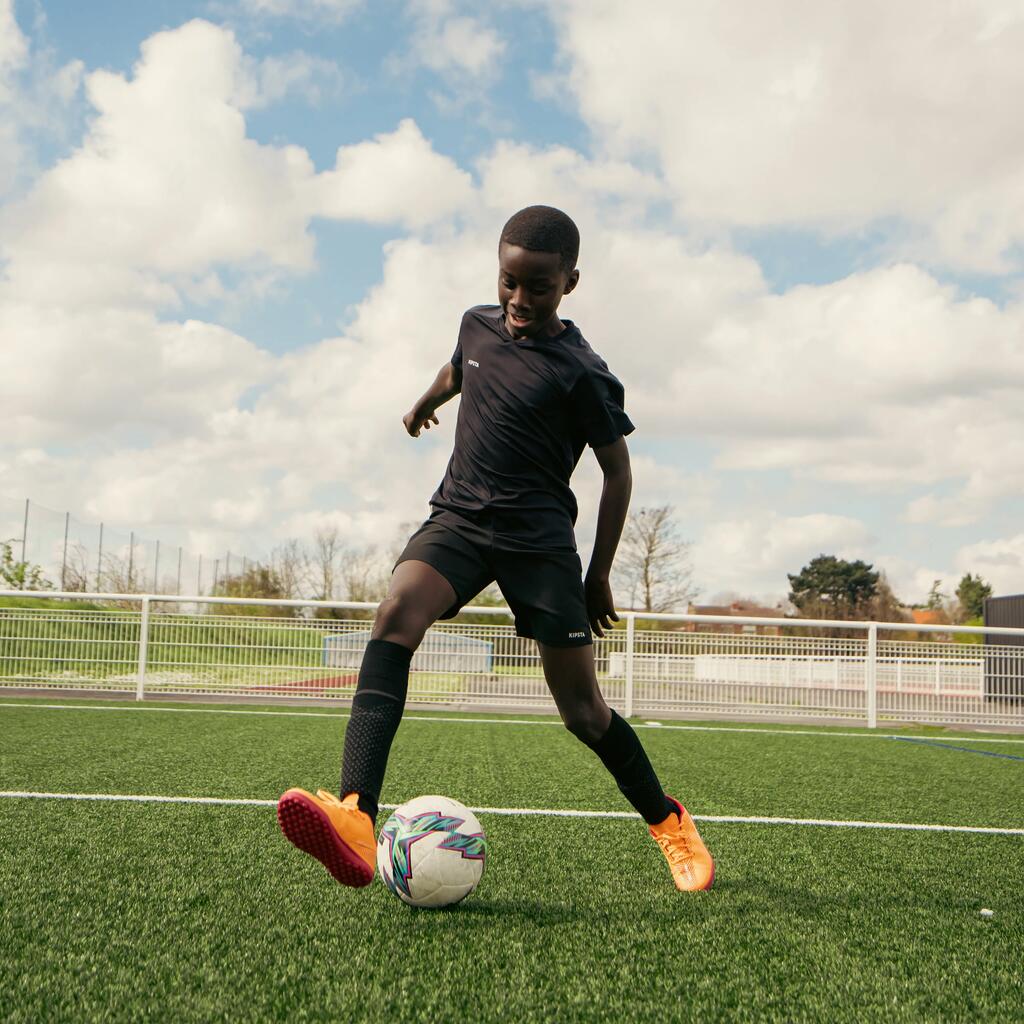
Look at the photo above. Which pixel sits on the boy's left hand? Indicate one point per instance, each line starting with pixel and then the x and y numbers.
pixel 600 604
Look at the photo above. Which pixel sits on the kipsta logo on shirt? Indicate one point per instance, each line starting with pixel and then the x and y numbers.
pixel 473 362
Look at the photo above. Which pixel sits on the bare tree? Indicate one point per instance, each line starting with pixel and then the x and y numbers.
pixel 77 570
pixel 119 574
pixel 653 564
pixel 289 565
pixel 322 562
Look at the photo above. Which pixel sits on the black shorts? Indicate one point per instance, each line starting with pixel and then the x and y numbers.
pixel 543 589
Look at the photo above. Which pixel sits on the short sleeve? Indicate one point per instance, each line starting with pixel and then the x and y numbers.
pixel 457 354
pixel 597 400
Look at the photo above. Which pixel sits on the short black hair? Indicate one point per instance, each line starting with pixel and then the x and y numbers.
pixel 544 229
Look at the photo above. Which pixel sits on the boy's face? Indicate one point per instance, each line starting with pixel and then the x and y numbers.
pixel 530 287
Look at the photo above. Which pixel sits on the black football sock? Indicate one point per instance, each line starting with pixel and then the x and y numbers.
pixel 376 711
pixel 623 755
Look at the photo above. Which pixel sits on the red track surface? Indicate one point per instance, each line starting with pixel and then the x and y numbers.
pixel 326 683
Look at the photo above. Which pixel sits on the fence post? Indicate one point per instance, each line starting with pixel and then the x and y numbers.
pixel 630 644
pixel 143 649
pixel 64 557
pixel 24 538
pixel 871 676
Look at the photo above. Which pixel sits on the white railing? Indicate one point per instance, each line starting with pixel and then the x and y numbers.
pixel 872 672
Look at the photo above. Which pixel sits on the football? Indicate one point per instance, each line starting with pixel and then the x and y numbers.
pixel 431 852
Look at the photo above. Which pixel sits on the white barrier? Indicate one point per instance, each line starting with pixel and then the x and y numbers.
pixel 158 645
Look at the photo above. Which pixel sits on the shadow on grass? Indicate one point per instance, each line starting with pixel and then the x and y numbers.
pixel 525 911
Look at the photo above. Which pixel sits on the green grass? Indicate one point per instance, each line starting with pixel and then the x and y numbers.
pixel 145 911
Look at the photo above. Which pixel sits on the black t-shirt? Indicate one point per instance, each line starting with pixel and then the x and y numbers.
pixel 529 407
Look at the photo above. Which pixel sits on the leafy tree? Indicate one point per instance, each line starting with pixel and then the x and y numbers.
pixel 971 593
pixel 833 587
pixel 653 562
pixel 16 575
pixel 256 581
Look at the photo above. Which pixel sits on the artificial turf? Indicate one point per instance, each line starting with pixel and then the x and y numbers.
pixel 115 911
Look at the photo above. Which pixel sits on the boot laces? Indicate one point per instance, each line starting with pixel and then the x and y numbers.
pixel 675 846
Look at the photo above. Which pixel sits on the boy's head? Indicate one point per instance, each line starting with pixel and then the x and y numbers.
pixel 536 267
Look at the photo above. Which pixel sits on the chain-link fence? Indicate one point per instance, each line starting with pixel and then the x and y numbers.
pixel 78 556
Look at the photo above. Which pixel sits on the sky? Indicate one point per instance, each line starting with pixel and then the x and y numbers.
pixel 237 237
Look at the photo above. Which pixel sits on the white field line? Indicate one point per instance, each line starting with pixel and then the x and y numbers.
pixel 539 812
pixel 413 716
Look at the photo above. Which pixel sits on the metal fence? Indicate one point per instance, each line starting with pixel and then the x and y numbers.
pixel 78 556
pixel 155 645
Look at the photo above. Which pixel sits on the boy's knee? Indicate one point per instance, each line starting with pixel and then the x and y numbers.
pixel 398 620
pixel 587 723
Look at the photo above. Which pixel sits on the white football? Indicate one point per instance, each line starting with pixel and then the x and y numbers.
pixel 431 852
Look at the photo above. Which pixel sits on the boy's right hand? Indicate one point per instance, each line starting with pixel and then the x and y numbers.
pixel 415 421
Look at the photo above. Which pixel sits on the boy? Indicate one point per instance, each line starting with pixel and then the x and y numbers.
pixel 534 394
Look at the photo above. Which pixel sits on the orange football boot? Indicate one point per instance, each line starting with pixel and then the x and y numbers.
pixel 334 831
pixel 687 856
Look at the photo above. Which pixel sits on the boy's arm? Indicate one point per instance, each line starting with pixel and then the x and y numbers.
pixel 618 483
pixel 447 384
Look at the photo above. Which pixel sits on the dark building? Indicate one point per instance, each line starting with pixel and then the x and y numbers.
pixel 1004 655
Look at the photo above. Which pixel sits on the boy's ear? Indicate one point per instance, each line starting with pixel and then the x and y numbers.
pixel 571 282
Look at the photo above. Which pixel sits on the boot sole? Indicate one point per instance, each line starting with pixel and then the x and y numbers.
pixel 307 826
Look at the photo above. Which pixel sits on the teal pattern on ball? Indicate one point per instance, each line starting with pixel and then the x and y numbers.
pixel 400 833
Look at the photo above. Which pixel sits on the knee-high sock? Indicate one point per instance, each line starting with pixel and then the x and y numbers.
pixel 376 711
pixel 623 755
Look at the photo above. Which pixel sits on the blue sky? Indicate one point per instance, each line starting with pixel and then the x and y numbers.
pixel 802 248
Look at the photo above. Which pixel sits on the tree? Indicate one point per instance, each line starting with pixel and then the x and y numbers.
pixel 76 570
pixel 288 565
pixel 971 592
pixel 256 581
pixel 653 564
pixel 833 588
pixel 936 598
pixel 323 562
pixel 20 575
pixel 884 605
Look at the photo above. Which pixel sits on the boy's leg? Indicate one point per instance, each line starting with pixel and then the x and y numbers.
pixel 573 683
pixel 418 595
pixel 572 680
pixel 339 833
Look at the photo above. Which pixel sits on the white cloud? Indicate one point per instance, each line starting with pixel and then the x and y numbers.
pixel 829 116
pixel 275 77
pixel 34 93
pixel 396 178
pixel 13 51
pixel 753 555
pixel 885 379
pixel 164 191
pixel 1000 562
pixel 459 45
pixel 165 183
pixel 462 50
pixel 13 47
pixel 71 375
